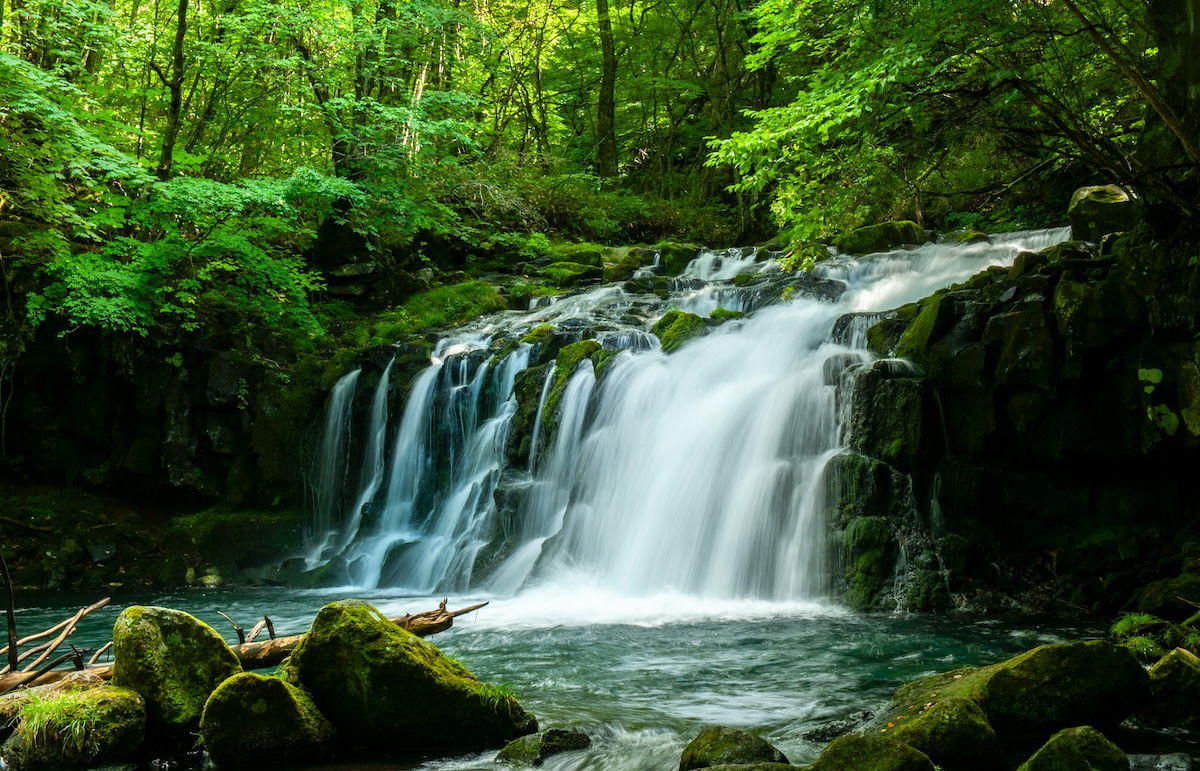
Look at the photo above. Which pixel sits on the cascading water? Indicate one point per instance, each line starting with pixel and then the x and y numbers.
pixel 700 471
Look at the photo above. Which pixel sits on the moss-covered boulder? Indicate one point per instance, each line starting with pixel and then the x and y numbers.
pixel 717 745
pixel 1077 749
pixel 881 237
pixel 674 258
pixel 388 690
pixel 676 328
pixel 869 551
pixel 953 732
pixel 1099 210
pixel 1170 598
pixel 724 314
pixel 252 721
pixel 77 729
pixel 564 274
pixel 1042 690
pixel 533 750
pixel 871 753
pixel 174 660
pixel 1175 690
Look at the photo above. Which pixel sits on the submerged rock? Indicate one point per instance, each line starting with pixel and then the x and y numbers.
pixel 717 745
pixel 388 690
pixel 871 753
pixel 1077 749
pixel 533 750
pixel 77 729
pixel 174 660
pixel 252 721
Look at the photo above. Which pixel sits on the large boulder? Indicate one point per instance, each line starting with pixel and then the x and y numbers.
pixel 174 660
pixel 387 689
pixel 1043 690
pixel 871 753
pixel 881 237
pixel 1175 688
pixel 953 732
pixel 717 745
pixel 77 729
pixel 1077 749
pixel 252 721
pixel 533 750
pixel 1099 210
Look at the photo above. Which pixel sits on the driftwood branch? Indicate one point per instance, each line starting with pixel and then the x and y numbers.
pixel 252 655
pixel 237 629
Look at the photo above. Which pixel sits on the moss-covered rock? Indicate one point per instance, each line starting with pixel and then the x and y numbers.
pixel 1099 210
pixel 77 729
pixel 1175 688
pixel 676 328
pixel 1170 598
pixel 869 560
pixel 1042 690
pixel 723 314
pixel 533 750
pixel 953 732
pixel 173 660
pixel 564 274
pixel 881 237
pixel 388 690
pixel 252 721
pixel 717 745
pixel 871 753
pixel 674 258
pixel 1077 749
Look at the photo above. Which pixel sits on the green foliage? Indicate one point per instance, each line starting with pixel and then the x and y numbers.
pixel 69 719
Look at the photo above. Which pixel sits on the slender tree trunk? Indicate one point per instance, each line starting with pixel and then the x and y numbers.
pixel 174 86
pixel 606 116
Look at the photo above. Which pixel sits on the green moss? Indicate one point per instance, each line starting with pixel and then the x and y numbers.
pixel 385 688
pixel 870 753
pixel 583 253
pixel 521 293
pixel 539 334
pixel 77 729
pixel 675 257
pixel 239 536
pixel 173 660
pixel 918 338
pixel 745 279
pixel 721 314
pixel 868 549
pixel 676 328
pixel 439 308
pixel 254 721
pixel 565 274
pixel 717 745
pixel 1082 748
pixel 621 264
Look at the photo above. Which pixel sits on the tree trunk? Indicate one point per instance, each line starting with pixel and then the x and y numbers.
pixel 175 91
pixel 606 117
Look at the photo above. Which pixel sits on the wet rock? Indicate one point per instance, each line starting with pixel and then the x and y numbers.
pixel 384 688
pixel 173 660
pixel 1169 598
pixel 1175 688
pixel 1099 210
pixel 718 745
pixel 78 729
pixel 826 733
pixel 676 328
pixel 869 550
pixel 566 274
pixel 894 417
pixel 533 750
pixel 1177 761
pixel 252 721
pixel 881 237
pixel 871 753
pixel 1077 749
pixel 953 732
pixel 675 257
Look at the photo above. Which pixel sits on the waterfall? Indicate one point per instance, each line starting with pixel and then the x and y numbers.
pixel 332 461
pixel 701 471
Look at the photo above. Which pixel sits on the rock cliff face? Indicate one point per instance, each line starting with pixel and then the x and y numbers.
pixel 1039 451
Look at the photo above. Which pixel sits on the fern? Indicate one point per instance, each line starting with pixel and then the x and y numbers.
pixel 1132 624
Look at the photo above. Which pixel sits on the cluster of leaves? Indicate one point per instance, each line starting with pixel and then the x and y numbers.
pixel 1149 637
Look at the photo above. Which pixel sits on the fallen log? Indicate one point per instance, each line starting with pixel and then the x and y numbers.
pixel 260 655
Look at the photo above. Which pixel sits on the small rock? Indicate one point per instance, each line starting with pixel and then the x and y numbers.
pixel 533 750
pixel 1077 749
pixel 716 745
